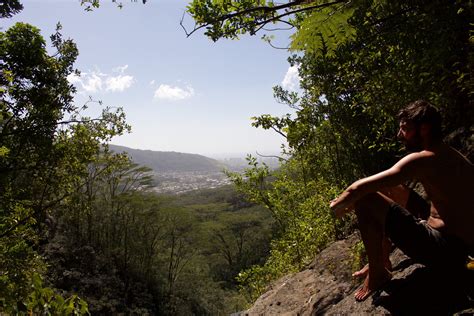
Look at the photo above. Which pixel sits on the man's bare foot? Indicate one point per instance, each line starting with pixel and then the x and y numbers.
pixel 371 284
pixel 362 273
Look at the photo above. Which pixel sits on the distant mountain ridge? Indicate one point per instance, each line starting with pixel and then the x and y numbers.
pixel 170 161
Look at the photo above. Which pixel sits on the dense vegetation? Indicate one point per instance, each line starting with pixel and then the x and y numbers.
pixel 77 219
pixel 149 254
pixel 45 148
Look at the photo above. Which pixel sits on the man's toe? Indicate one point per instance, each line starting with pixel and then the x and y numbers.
pixel 362 294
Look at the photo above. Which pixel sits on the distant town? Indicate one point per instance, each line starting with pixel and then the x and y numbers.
pixel 178 182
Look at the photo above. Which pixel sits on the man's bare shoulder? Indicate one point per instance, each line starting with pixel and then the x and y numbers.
pixel 445 160
pixel 417 165
pixel 444 153
pixel 416 158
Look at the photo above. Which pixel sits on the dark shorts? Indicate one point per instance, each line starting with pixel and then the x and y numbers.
pixel 421 242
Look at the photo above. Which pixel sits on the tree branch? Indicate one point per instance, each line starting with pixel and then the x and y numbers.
pixel 278 17
pixel 265 9
pixel 272 156
pixel 278 131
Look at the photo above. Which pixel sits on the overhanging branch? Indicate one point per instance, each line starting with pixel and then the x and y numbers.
pixel 266 10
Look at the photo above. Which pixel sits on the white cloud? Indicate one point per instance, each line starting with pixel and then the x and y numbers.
pixel 118 83
pixel 97 81
pixel 92 83
pixel 120 69
pixel 73 78
pixel 167 92
pixel 152 82
pixel 292 79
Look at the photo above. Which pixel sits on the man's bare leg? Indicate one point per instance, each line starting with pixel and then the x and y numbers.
pixel 386 249
pixel 371 213
pixel 399 194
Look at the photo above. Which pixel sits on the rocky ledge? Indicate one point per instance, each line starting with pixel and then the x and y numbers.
pixel 326 287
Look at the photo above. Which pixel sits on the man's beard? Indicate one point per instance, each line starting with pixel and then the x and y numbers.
pixel 414 144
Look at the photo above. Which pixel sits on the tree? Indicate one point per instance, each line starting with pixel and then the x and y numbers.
pixel 117 223
pixel 45 145
pixel 8 8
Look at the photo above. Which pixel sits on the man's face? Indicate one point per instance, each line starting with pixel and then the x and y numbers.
pixel 409 135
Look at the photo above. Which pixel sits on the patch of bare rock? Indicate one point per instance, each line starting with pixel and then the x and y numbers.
pixel 326 287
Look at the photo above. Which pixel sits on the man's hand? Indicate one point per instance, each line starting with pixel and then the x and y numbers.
pixel 342 204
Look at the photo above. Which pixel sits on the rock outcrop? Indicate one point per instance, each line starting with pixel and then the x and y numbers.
pixel 326 287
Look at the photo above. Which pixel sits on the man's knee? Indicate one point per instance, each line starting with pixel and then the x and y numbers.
pixel 372 205
pixel 366 203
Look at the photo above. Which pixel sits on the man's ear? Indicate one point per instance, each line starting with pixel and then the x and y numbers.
pixel 425 130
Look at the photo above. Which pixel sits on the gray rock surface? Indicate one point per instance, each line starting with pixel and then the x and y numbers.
pixel 327 288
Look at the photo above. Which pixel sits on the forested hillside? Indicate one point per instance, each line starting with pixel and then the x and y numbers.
pixel 161 161
pixel 150 254
pixel 81 230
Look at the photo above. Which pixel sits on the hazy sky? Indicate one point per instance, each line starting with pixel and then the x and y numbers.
pixel 179 94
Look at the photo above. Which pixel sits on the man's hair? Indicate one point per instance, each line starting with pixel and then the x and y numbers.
pixel 420 112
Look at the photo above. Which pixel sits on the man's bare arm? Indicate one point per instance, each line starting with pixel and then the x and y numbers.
pixel 407 168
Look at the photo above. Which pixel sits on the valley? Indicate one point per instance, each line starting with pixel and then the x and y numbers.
pixel 178 173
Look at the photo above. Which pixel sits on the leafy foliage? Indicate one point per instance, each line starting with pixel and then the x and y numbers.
pixel 328 28
pixel 147 253
pixel 45 301
pixel 90 5
pixel 325 22
pixel 8 8
pixel 46 145
pixel 229 18
pixel 304 222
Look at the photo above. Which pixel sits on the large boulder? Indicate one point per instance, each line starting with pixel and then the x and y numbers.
pixel 327 287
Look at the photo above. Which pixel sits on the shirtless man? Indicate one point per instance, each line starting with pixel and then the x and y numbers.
pixel 447 236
